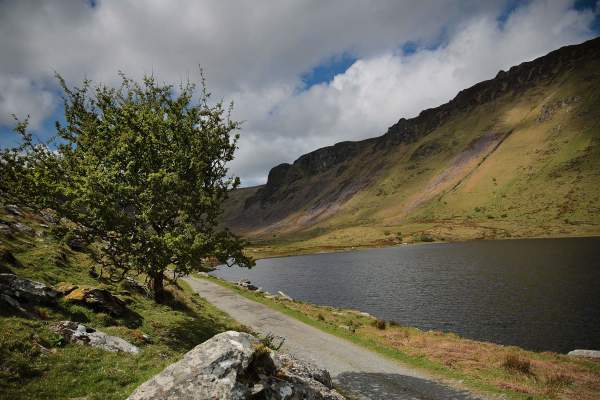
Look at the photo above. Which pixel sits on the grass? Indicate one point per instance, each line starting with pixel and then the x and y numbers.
pixel 36 363
pixel 479 366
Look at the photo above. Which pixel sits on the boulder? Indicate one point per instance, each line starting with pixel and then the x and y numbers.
pixel 48 216
pixel 284 296
pixel 99 300
pixel 236 365
pixel 77 244
pixel 64 288
pixel 13 209
pixel 74 332
pixel 585 353
pixel 134 286
pixel 246 284
pixel 25 290
pixel 22 228
pixel 14 306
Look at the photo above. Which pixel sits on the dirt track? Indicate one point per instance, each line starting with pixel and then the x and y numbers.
pixel 358 372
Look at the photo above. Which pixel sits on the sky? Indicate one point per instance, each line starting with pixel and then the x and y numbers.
pixel 302 74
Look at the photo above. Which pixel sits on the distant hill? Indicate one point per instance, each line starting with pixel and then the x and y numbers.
pixel 514 156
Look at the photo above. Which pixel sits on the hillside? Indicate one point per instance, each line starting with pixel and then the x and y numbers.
pixel 38 363
pixel 514 156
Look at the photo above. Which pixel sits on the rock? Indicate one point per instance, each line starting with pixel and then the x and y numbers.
pixel 77 244
pixel 16 306
pixel 25 290
pixel 64 288
pixel 48 216
pixel 284 296
pixel 13 209
pixel 246 284
pixel 22 228
pixel 74 332
pixel 92 272
pixel 585 353
pixel 5 228
pixel 134 286
pixel 235 365
pixel 98 299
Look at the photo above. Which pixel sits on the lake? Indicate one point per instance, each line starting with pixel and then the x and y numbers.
pixel 540 294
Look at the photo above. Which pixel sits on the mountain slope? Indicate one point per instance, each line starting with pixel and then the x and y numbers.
pixel 517 155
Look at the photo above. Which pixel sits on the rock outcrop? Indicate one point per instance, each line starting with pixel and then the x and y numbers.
pixel 74 332
pixel 16 294
pixel 98 299
pixel 25 290
pixel 235 365
pixel 585 353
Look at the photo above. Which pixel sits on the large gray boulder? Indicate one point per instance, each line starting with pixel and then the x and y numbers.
pixel 235 365
pixel 585 353
pixel 25 290
pixel 74 332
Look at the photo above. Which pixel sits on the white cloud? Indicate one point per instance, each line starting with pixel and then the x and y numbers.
pixel 18 93
pixel 376 91
pixel 255 53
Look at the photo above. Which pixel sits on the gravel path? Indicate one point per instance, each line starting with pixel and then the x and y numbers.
pixel 358 372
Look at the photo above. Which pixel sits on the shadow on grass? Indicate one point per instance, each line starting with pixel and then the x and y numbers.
pixel 184 335
pixel 380 386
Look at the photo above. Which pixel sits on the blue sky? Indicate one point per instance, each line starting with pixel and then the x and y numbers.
pixel 278 61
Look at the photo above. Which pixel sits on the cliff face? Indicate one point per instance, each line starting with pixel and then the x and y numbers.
pixel 319 184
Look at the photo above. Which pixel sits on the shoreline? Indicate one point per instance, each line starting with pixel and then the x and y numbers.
pixel 349 249
pixel 477 364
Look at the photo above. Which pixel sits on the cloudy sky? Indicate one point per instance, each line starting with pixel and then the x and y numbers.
pixel 303 73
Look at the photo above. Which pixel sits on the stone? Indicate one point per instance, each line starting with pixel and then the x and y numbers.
pixel 13 209
pixel 99 300
pixel 585 353
pixel 235 365
pixel 284 296
pixel 134 286
pixel 25 290
pixel 48 216
pixel 15 305
pixel 74 332
pixel 246 284
pixel 64 288
pixel 22 228
pixel 77 244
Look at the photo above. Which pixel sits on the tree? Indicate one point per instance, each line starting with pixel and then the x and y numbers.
pixel 142 170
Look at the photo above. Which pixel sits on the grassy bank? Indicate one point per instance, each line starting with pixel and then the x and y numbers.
pixel 35 363
pixel 480 366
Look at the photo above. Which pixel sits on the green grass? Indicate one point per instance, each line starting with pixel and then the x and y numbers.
pixel 35 364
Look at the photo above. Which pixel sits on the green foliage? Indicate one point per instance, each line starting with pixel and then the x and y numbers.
pixel 140 170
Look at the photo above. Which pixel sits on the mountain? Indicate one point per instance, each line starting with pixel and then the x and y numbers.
pixel 514 156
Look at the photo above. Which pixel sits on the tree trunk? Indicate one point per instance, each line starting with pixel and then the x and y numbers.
pixel 158 286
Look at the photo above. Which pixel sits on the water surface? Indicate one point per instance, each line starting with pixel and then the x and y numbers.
pixel 540 294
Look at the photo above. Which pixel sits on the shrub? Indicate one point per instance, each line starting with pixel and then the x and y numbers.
pixel 320 317
pixel 380 324
pixel 516 364
pixel 393 323
pixel 426 238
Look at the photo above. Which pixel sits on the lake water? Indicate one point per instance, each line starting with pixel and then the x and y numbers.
pixel 540 294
